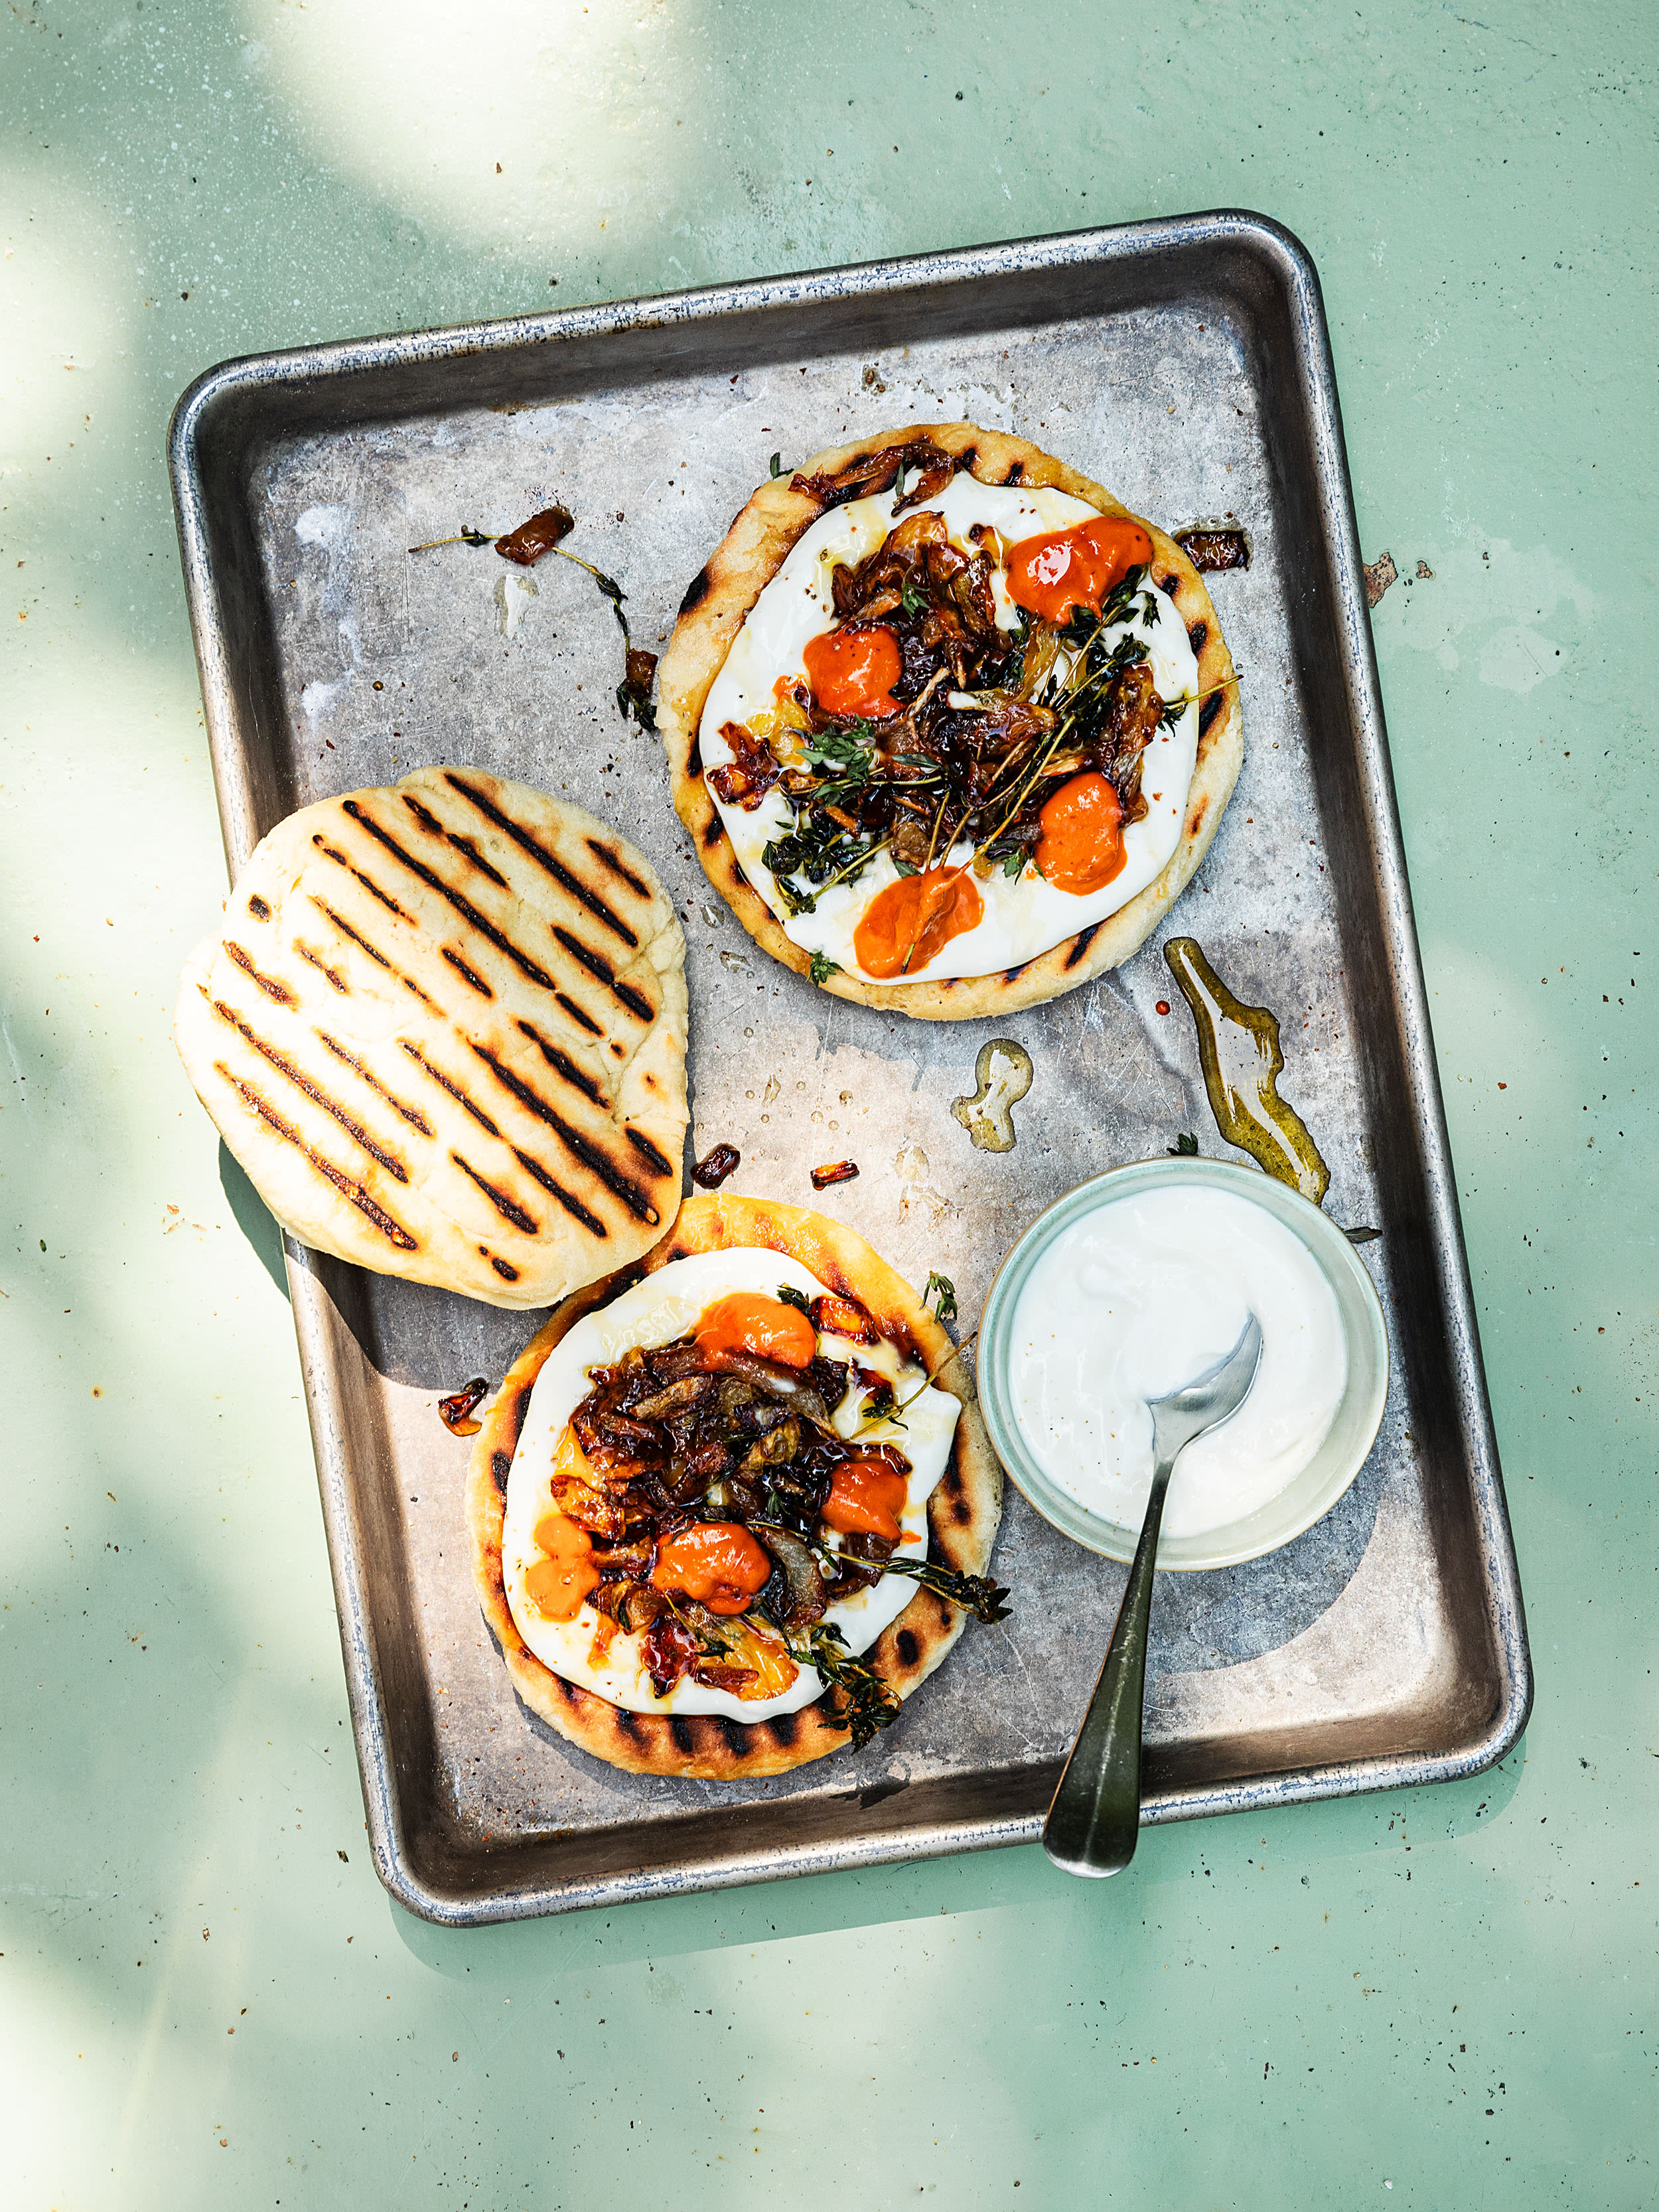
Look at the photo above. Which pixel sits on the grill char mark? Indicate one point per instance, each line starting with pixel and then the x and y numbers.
pixel 464 907
pixel 257 907
pixel 1081 943
pixel 507 1207
pixel 504 1269
pixel 469 974
pixel 346 930
pixel 367 882
pixel 585 1021
pixel 412 1114
pixel 323 968
pixel 447 1083
pixel 643 1146
pixel 313 1090
pixel 572 1205
pixel 617 866
pixel 268 984
pixel 393 1232
pixel 696 591
pixel 596 1160
pixel 562 1063
pixel 603 972
pixel 1208 713
pixel 555 866
pixel 430 822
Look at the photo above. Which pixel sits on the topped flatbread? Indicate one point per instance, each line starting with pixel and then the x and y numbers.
pixel 722 1522
pixel 442 1027
pixel 949 727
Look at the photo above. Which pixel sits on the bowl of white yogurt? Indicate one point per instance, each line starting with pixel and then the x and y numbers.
pixel 1129 1287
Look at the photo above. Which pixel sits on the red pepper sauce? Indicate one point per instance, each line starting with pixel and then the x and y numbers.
pixel 558 1582
pixel 853 671
pixel 911 922
pixel 748 1321
pixel 867 1496
pixel 718 1563
pixel 1051 575
pixel 1081 848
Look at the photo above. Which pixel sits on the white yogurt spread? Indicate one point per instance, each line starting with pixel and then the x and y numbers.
pixel 667 1305
pixel 1023 916
pixel 1140 1297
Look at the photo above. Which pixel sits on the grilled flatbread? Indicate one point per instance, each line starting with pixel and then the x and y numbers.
pixel 722 595
pixel 443 1029
pixel 963 1513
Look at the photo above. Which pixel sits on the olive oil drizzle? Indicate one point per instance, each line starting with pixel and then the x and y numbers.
pixel 1239 1051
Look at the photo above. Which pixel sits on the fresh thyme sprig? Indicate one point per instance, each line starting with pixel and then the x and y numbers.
pixel 867 1703
pixel 1176 707
pixel 975 1594
pixel 891 1418
pixel 638 667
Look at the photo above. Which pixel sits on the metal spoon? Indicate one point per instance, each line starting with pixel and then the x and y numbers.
pixel 1094 1822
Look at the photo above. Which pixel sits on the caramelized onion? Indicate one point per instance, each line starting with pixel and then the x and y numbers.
pixel 804 1601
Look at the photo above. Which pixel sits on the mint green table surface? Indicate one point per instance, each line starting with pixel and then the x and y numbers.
pixel 1444 1998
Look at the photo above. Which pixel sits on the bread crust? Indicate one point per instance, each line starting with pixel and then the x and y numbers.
pixel 722 595
pixel 963 1513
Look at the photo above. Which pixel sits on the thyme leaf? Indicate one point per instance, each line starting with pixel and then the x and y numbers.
pixel 866 1703
pixel 975 1594
pixel 465 537
pixel 823 968
pixel 944 1290
pixel 777 464
pixel 789 1295
pixel 1185 1146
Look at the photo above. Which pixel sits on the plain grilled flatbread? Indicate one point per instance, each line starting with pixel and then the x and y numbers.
pixel 722 595
pixel 963 1513
pixel 443 1029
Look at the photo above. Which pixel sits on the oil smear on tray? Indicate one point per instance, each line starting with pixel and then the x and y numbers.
pixel 1003 1072
pixel 1239 1051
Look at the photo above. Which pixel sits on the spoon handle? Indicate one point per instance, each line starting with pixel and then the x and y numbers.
pixel 1094 1822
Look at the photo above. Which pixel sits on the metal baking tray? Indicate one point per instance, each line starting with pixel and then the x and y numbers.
pixel 1186 364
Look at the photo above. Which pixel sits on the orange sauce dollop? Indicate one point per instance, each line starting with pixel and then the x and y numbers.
pixel 853 671
pixel 911 922
pixel 718 1563
pixel 556 1583
pixel 1066 568
pixel 1081 848
pixel 865 1495
pixel 748 1321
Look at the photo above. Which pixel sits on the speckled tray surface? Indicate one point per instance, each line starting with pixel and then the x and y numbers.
pixel 1185 365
